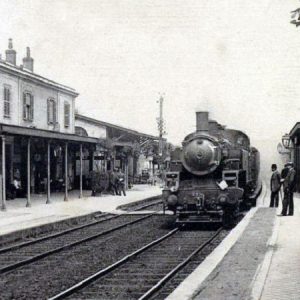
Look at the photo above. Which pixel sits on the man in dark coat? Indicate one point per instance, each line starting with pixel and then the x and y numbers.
pixel 121 183
pixel 284 171
pixel 275 186
pixel 288 188
pixel 113 182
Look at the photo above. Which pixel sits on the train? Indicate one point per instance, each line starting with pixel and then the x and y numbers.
pixel 213 176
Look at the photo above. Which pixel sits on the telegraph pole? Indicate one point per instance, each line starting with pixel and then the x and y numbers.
pixel 161 130
pixel 161 125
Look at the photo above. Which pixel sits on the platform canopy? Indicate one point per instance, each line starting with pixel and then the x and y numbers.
pixel 295 130
pixel 34 132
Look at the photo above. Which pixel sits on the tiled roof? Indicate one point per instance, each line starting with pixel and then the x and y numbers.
pixel 131 131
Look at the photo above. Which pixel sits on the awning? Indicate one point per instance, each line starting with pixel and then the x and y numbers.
pixel 47 134
pixel 295 130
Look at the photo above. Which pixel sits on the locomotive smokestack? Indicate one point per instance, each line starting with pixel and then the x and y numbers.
pixel 202 121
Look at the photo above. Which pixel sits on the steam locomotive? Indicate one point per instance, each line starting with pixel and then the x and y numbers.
pixel 213 176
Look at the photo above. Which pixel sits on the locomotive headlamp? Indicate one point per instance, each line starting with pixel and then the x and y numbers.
pixel 173 189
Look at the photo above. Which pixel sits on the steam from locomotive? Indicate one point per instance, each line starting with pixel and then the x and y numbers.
pixel 213 175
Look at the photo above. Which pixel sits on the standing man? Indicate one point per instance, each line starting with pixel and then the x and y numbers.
pixel 121 183
pixel 113 182
pixel 275 186
pixel 288 188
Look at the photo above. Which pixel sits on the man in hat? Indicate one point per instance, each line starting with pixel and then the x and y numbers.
pixel 121 182
pixel 113 182
pixel 284 171
pixel 275 186
pixel 288 188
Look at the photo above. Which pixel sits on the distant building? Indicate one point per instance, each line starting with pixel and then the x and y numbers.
pixel 122 148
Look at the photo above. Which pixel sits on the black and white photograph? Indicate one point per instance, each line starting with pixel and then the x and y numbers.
pixel 149 149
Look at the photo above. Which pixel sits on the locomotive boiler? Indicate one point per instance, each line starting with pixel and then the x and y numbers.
pixel 213 176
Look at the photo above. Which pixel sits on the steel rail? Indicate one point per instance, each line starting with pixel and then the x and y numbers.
pixel 110 268
pixel 54 235
pixel 147 205
pixel 61 233
pixel 173 272
pixel 58 249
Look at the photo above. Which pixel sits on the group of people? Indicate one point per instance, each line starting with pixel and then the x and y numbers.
pixel 117 182
pixel 286 179
pixel 112 182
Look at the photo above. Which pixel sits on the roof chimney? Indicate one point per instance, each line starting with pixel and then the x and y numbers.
pixel 11 54
pixel 202 121
pixel 28 61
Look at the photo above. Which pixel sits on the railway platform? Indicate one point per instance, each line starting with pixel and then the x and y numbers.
pixel 258 260
pixel 280 272
pixel 18 217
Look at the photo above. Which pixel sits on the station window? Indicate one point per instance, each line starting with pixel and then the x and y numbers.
pixel 67 114
pixel 28 106
pixel 51 111
pixel 6 102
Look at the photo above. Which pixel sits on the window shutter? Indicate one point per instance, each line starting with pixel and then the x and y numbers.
pixel 31 110
pixel 54 112
pixel 8 103
pixel 48 110
pixel 67 115
pixel 6 106
pixel 4 95
pixel 24 106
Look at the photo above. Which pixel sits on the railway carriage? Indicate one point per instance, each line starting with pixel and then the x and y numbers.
pixel 213 175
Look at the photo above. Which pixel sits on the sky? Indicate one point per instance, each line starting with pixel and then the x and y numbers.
pixel 239 60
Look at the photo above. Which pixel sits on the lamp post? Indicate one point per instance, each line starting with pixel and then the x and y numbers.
pixel 286 141
pixel 288 145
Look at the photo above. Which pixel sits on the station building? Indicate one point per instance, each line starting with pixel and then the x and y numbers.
pixel 291 142
pixel 49 148
pixel 37 127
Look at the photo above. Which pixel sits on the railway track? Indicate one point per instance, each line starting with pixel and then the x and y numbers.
pixel 100 217
pixel 152 204
pixel 21 255
pixel 142 273
pixel 155 206
pixel 45 275
pixel 58 238
pixel 42 267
